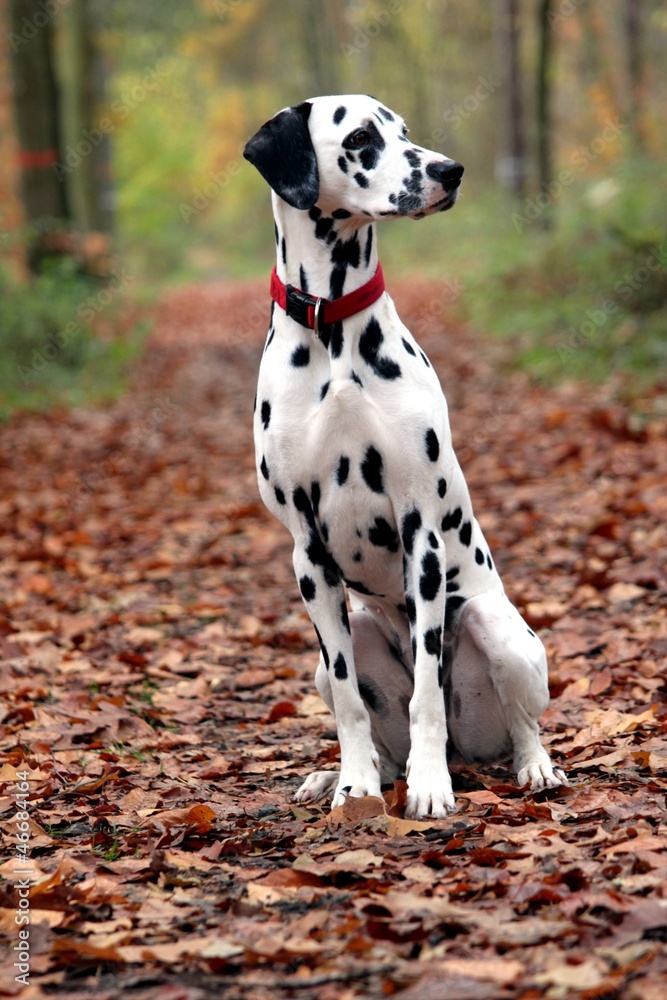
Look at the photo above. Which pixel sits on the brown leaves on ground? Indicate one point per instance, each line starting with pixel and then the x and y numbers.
pixel 157 677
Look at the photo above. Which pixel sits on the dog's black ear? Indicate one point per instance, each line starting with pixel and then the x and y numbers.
pixel 283 153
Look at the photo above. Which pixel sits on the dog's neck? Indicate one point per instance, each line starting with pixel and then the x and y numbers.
pixel 320 254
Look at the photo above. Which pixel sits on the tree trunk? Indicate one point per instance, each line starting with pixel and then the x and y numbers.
pixel 512 167
pixel 543 101
pixel 36 107
pixel 635 64
pixel 87 145
pixel 320 26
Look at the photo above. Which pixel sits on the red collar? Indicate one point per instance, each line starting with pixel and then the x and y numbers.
pixel 316 313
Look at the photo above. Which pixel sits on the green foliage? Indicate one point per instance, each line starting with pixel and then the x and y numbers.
pixel 582 298
pixel 50 351
pixel 587 297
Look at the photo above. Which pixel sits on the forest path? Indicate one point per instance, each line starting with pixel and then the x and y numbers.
pixel 157 671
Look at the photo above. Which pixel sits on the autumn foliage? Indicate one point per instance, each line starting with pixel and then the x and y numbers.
pixel 157 678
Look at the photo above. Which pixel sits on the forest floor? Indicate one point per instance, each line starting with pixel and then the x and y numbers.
pixel 156 668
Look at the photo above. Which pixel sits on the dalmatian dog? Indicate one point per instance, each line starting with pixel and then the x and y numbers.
pixel 354 456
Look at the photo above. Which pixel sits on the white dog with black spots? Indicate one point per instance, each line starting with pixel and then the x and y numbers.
pixel 355 457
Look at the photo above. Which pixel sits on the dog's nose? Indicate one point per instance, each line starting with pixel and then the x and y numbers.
pixel 446 172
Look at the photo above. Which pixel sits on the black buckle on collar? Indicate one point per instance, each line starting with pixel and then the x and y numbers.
pixel 297 305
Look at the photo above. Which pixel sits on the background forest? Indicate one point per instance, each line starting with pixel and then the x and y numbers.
pixel 555 107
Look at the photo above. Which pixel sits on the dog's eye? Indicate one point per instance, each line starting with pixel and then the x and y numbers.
pixel 405 130
pixel 360 137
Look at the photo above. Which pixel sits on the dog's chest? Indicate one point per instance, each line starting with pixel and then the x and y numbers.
pixel 342 435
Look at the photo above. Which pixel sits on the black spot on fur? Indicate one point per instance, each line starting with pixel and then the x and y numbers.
pixel 465 534
pixel 383 535
pixel 323 648
pixel 453 572
pixel 315 495
pixel 355 378
pixel 373 696
pixel 369 348
pixel 343 470
pixel 479 557
pixel 344 617
pixel 531 633
pixel 318 555
pixel 341 213
pixel 489 562
pixel 302 503
pixel 412 157
pixel 395 652
pixel 357 557
pixel 433 541
pixel 453 605
pixel 336 340
pixel 324 390
pixel 408 346
pixel 371 470
pixel 266 413
pixel 300 356
pixel 346 252
pixel 280 496
pixel 340 667
pixel 342 163
pixel 303 279
pixel 432 445
pixel 283 250
pixel 410 609
pixel 361 588
pixel 324 528
pixel 431 578
pixel 264 468
pixel 369 246
pixel 408 202
pixel 387 115
pixel 361 180
pixel 442 487
pixel 307 588
pixel 452 586
pixel 339 114
pixel 412 522
pixel 433 641
pixel 271 335
pixel 452 519
pixel 322 227
pixel 425 359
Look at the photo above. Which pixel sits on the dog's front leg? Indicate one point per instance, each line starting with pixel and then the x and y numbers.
pixel 429 783
pixel 324 597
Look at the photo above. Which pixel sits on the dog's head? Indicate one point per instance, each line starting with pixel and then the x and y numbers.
pixel 352 155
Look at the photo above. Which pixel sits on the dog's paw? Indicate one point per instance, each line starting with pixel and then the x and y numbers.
pixel 317 786
pixel 429 793
pixel 541 774
pixel 356 782
pixel 350 787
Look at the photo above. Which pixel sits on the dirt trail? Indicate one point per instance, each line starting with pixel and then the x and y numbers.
pixel 156 668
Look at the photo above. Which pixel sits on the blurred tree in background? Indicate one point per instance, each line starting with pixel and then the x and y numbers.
pixel 555 107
